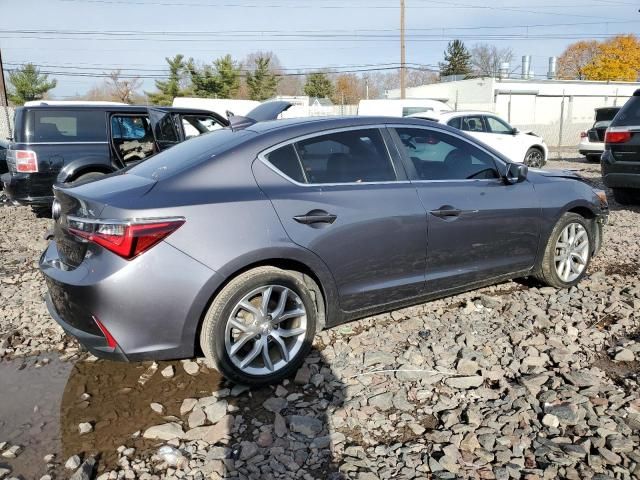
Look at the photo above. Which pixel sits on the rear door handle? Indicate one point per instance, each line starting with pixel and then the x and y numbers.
pixel 446 212
pixel 315 216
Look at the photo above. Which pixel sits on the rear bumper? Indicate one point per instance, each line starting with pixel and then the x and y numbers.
pixel 96 344
pixel 616 174
pixel 27 189
pixel 151 305
pixel 590 148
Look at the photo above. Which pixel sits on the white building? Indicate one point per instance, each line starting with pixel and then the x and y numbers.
pixel 556 109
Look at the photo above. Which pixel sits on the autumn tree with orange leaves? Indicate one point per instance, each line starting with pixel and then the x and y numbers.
pixel 616 59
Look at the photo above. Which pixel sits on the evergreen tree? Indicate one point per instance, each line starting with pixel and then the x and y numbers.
pixel 171 88
pixel 28 84
pixel 229 74
pixel 262 82
pixel 318 85
pixel 457 60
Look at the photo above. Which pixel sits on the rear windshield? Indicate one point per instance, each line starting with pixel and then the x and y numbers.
pixel 629 114
pixel 68 126
pixel 190 153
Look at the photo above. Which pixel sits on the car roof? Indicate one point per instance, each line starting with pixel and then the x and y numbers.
pixel 327 123
pixel 120 108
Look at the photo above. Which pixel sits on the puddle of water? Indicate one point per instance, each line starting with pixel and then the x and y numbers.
pixel 30 399
pixel 42 407
pixel 119 406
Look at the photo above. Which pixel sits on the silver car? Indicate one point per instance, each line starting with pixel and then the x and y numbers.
pixel 245 242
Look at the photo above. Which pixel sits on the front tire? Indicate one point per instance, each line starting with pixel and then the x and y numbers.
pixel 260 326
pixel 567 253
pixel 534 158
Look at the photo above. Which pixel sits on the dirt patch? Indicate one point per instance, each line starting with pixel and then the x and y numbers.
pixel 619 372
pixel 624 269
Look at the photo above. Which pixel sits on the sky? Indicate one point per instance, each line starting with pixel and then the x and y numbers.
pixel 80 40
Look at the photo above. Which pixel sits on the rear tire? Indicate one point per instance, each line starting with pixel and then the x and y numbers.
pixel 534 158
pixel 626 196
pixel 593 158
pixel 568 252
pixel 278 335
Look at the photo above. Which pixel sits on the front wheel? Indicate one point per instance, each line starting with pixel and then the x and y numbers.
pixel 260 326
pixel 567 253
pixel 534 158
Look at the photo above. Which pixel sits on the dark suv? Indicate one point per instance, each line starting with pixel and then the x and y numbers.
pixel 69 143
pixel 621 157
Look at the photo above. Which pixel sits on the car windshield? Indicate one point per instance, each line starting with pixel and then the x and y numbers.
pixel 190 153
pixel 602 124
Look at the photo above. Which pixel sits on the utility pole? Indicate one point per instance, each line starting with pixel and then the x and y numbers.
pixel 402 53
pixel 3 90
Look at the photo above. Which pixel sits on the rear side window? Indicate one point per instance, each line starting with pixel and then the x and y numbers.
pixel 353 156
pixel 629 114
pixel 286 160
pixel 454 122
pixel 69 126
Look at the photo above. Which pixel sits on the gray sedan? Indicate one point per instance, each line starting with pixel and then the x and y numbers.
pixel 245 242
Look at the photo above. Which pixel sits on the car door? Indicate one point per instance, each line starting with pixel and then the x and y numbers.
pixel 478 226
pixel 504 139
pixel 165 128
pixel 342 196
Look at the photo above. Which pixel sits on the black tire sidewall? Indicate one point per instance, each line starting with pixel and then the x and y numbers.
pixel 230 300
pixel 549 259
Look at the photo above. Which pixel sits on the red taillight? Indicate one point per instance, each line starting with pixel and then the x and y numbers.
pixel 26 161
pixel 583 135
pixel 125 239
pixel 111 342
pixel 617 136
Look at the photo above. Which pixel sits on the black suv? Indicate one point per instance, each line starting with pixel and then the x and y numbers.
pixel 621 157
pixel 69 143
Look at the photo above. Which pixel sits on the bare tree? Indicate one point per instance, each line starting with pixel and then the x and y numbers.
pixel 486 59
pixel 124 90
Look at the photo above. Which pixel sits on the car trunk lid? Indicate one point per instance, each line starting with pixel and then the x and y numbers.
pixel 87 201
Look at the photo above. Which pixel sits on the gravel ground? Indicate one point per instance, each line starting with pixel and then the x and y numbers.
pixel 510 381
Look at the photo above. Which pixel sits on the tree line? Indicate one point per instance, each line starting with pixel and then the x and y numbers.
pixel 260 75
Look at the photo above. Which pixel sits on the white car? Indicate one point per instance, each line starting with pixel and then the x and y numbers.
pixel 519 146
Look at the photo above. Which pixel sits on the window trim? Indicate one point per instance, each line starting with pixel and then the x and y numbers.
pixel 499 164
pixel 380 127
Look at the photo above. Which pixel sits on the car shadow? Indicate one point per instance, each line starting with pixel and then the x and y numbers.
pixel 237 431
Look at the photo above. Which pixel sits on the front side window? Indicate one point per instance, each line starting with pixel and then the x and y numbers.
pixel 439 156
pixel 352 156
pixel 472 123
pixel 496 125
pixel 132 137
pixel 69 126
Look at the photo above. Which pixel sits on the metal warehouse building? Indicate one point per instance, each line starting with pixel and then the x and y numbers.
pixel 556 109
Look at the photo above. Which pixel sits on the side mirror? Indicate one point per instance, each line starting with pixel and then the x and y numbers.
pixel 516 173
pixel 515 131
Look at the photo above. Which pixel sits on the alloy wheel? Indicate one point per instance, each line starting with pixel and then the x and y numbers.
pixel 571 252
pixel 534 159
pixel 266 330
